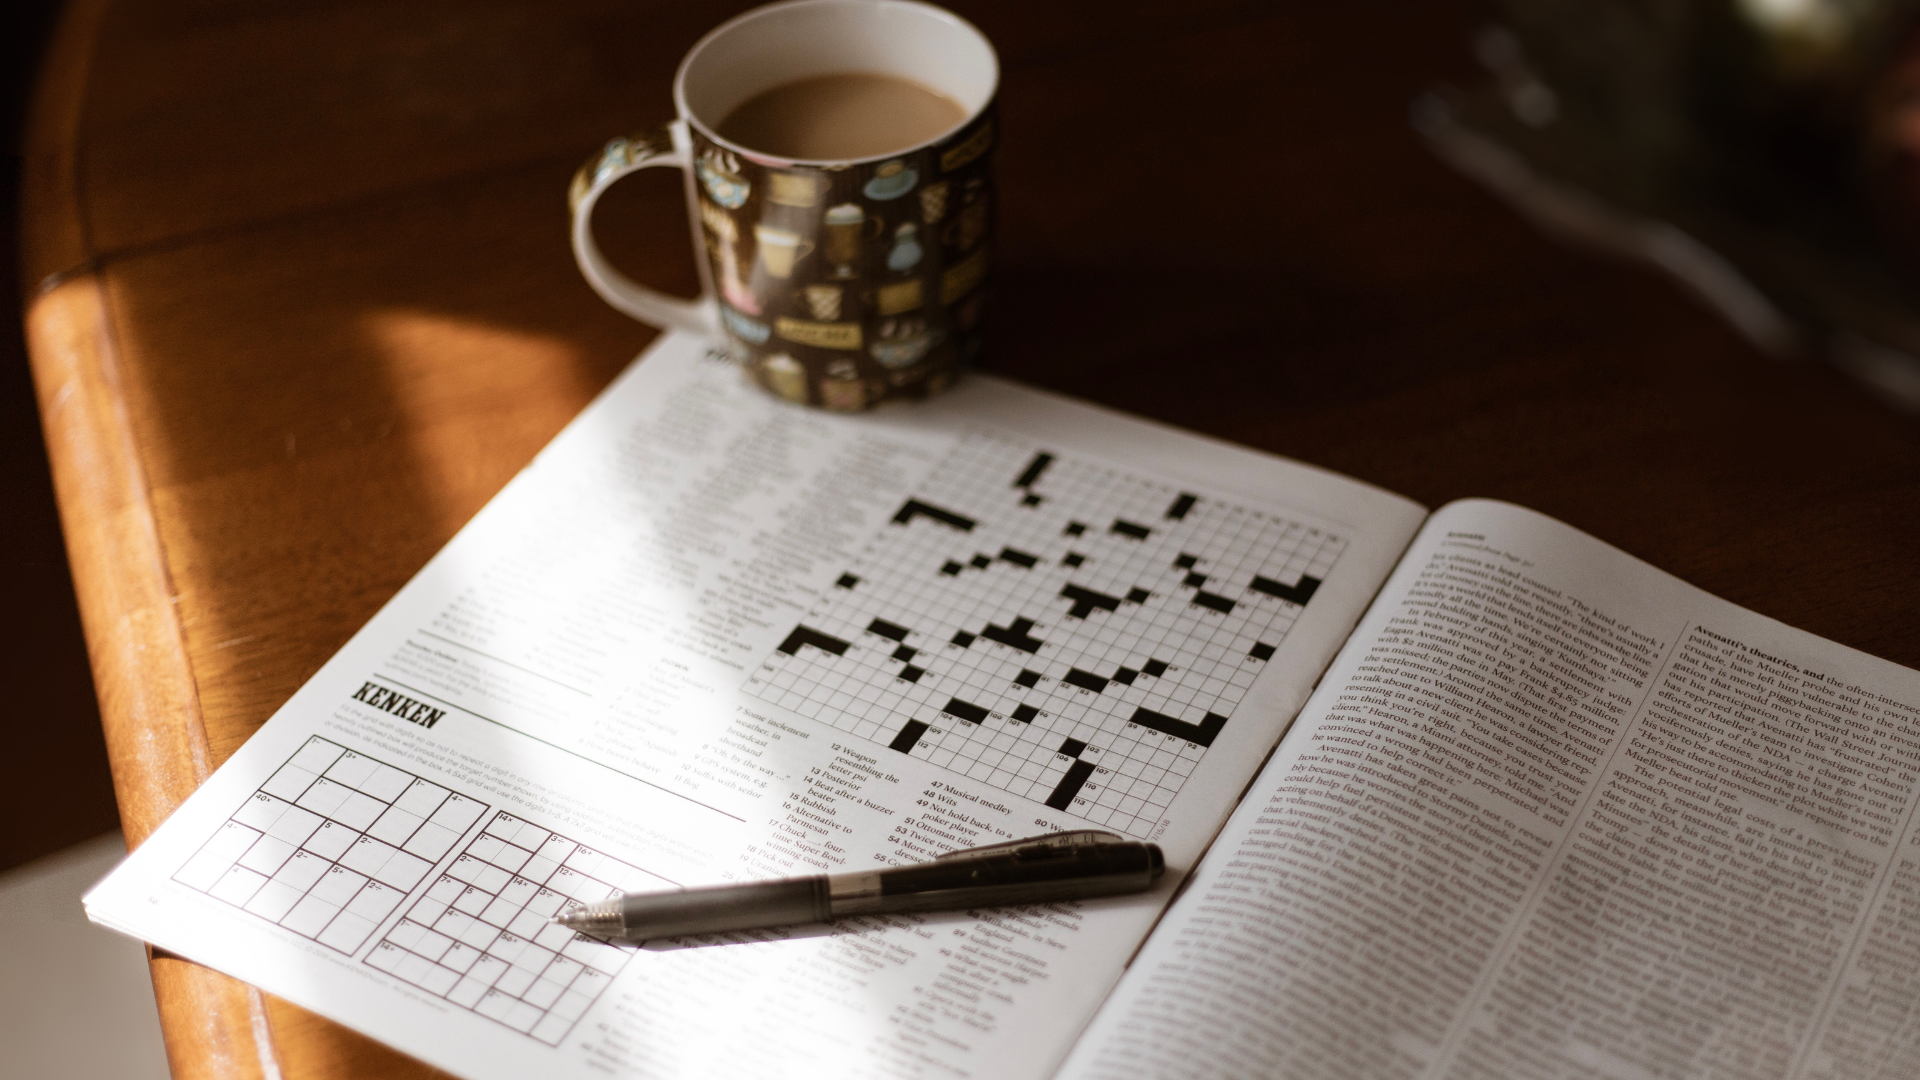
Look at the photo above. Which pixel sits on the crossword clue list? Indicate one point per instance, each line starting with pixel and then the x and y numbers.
pixel 1063 630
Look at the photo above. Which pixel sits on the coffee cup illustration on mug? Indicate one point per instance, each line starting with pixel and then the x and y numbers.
pixel 824 301
pixel 793 189
pixel 906 252
pixel 719 173
pixel 722 237
pixel 969 227
pixel 933 202
pixel 845 227
pixel 904 341
pixel 891 180
pixel 843 390
pixel 785 376
pixel 780 249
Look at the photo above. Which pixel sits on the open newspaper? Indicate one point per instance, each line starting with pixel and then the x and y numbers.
pixel 1550 812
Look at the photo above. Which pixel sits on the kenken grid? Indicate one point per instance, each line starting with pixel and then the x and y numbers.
pixel 330 844
pixel 481 936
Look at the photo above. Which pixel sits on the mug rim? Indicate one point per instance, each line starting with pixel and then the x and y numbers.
pixel 712 36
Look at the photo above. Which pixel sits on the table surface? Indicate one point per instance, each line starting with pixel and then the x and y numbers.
pixel 300 301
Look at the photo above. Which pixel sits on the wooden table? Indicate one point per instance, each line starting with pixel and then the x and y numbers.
pixel 300 302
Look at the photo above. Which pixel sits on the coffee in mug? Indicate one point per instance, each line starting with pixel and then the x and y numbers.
pixel 848 115
pixel 839 156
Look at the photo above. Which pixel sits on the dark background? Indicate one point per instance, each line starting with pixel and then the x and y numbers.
pixel 54 786
pixel 1434 344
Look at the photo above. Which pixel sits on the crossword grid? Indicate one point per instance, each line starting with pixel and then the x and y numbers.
pixel 330 844
pixel 1060 629
pixel 481 939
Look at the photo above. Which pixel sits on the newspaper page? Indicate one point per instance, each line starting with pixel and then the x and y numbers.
pixel 710 636
pixel 1554 813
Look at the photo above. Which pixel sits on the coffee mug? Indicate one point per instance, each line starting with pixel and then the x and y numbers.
pixel 839 283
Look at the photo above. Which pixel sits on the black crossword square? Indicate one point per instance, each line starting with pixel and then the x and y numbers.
pixel 847 581
pixel 1262 651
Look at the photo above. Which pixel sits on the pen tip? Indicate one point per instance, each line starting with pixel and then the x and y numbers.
pixel 598 918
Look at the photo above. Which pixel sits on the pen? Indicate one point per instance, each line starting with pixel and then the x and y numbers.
pixel 1059 866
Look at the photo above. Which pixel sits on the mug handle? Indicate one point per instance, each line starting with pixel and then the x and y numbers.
pixel 665 145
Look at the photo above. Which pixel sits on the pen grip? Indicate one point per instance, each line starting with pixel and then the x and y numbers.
pixel 1024 876
pixel 981 896
pixel 716 908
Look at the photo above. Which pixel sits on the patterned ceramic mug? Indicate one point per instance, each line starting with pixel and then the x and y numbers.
pixel 840 283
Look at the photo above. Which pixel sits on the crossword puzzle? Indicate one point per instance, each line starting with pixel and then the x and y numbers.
pixel 1060 629
pixel 480 936
pixel 330 844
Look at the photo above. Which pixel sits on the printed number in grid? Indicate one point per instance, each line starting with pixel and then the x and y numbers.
pixel 481 938
pixel 1059 628
pixel 331 844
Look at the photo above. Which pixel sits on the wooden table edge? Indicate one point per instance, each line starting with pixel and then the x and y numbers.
pixel 215 1027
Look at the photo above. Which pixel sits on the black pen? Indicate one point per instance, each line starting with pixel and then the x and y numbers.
pixel 1041 869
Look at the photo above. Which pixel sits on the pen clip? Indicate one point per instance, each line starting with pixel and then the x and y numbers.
pixel 1057 841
